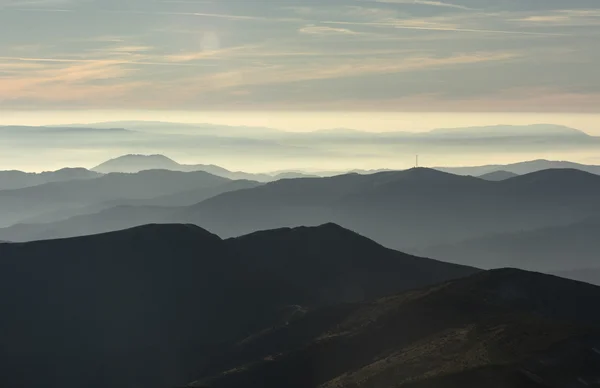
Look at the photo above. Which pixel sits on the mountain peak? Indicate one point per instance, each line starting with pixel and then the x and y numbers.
pixel 133 163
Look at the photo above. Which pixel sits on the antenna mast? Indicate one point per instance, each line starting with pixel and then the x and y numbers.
pixel 417 162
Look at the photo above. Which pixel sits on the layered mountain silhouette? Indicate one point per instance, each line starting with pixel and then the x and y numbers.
pixel 565 248
pixel 137 163
pixel 20 204
pixel 18 179
pixel 184 198
pixel 522 168
pixel 500 175
pixel 411 209
pixel 505 328
pixel 157 305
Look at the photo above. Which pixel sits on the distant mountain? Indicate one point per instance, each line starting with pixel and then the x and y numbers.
pixel 406 210
pixel 546 130
pixel 137 163
pixel 293 175
pixel 154 306
pixel 521 168
pixel 18 179
pixel 22 130
pixel 558 249
pixel 417 207
pixel 84 219
pixel 20 204
pixel 497 176
pixel 170 128
pixel 502 329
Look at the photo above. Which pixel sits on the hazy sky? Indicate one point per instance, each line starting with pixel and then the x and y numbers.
pixel 327 55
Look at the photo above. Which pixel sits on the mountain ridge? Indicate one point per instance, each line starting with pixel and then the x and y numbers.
pixel 503 321
pixel 114 293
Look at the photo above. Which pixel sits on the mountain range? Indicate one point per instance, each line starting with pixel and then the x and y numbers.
pixel 10 180
pixel 156 305
pixel 406 210
pixel 499 175
pixel 566 248
pixel 237 146
pixel 164 306
pixel 20 204
pixel 521 168
pixel 138 163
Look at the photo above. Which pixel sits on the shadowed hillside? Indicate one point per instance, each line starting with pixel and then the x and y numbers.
pixel 504 329
pixel 153 306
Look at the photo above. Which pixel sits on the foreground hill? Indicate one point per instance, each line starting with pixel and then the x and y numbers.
pixel 153 306
pixel 504 329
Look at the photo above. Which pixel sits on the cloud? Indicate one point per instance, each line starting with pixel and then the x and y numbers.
pixel 580 17
pixel 278 74
pixel 115 61
pixel 36 5
pixel 320 30
pixel 425 26
pixel 425 2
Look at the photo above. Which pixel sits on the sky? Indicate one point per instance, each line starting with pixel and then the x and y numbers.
pixel 481 56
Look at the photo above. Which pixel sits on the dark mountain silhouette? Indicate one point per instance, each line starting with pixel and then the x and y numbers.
pixel 505 328
pixel 499 175
pixel 410 209
pixel 153 306
pixel 562 248
pixel 137 163
pixel 18 179
pixel 24 203
pixel 521 168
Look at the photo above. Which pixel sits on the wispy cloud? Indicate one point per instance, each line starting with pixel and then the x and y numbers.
pixel 276 74
pixel 321 30
pixel 414 25
pixel 115 61
pixel 37 5
pixel 578 17
pixel 424 2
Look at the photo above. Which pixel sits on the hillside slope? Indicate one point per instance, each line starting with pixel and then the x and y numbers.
pixel 153 305
pixel 503 329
